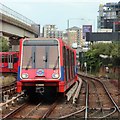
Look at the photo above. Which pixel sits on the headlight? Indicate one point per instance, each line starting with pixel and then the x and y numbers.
pixel 24 75
pixel 55 75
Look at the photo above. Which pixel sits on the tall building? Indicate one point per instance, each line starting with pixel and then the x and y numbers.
pixel 109 16
pixel 51 31
pixel 59 34
pixel 74 35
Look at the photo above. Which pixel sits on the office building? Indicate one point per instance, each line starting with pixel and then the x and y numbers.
pixel 74 35
pixel 51 31
pixel 109 16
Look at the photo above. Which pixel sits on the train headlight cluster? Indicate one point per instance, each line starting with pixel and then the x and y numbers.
pixel 55 75
pixel 25 75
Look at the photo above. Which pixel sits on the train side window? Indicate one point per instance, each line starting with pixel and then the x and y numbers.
pixel 64 62
pixel 3 59
pixel 64 56
pixel 15 59
pixel 67 62
pixel 73 67
pixel 0 59
pixel 9 58
pixel 70 64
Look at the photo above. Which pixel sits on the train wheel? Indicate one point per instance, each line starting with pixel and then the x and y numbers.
pixel 50 93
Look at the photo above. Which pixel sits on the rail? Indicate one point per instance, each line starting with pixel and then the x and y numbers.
pixel 110 96
pixel 99 102
pixel 86 100
pixel 35 108
pixel 15 111
pixel 48 112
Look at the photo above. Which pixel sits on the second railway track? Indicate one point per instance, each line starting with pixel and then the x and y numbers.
pixel 101 103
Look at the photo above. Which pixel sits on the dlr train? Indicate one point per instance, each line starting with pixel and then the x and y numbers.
pixel 9 62
pixel 46 65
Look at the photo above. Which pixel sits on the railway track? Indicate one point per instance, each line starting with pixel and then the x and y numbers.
pixel 105 105
pixel 11 104
pixel 38 110
pixel 8 91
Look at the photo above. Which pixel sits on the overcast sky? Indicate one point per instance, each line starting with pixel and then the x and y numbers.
pixel 58 11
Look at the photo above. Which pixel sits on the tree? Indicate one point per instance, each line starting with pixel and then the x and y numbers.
pixel 112 50
pixel 4 47
pixel 116 54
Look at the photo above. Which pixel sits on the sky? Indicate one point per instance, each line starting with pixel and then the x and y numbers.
pixel 58 12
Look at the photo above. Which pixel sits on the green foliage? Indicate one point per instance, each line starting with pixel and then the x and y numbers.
pixel 4 47
pixel 93 59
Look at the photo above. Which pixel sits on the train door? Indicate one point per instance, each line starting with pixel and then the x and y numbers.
pixel 10 61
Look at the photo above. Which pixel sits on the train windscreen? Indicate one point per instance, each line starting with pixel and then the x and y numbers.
pixel 40 54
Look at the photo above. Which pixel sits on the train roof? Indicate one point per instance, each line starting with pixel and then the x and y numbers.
pixel 6 53
pixel 43 38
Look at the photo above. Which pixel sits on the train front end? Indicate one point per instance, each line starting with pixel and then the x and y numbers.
pixel 39 65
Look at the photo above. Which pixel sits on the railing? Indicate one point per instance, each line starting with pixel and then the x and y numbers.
pixel 11 13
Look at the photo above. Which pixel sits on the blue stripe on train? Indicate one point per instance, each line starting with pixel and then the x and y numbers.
pixel 62 73
pixel 76 70
pixel 18 75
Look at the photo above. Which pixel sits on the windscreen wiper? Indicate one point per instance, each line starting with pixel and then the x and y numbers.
pixel 30 59
pixel 56 63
